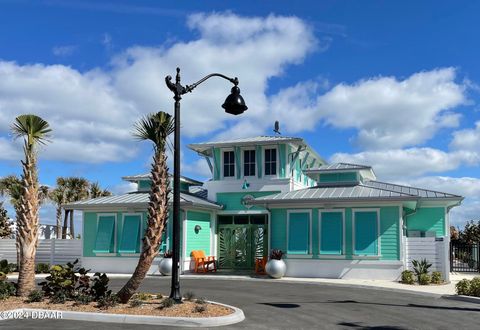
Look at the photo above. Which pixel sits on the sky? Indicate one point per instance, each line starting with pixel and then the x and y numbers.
pixel 394 85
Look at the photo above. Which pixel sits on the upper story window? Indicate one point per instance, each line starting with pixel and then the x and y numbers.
pixel 249 162
pixel 271 161
pixel 228 164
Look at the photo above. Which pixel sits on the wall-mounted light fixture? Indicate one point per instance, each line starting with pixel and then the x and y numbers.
pixel 197 229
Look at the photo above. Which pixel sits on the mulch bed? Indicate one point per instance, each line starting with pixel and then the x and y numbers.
pixel 151 307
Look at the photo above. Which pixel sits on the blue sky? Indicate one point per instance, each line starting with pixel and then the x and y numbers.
pixel 390 84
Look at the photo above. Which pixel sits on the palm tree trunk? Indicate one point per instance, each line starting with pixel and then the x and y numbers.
pixel 59 221
pixel 65 225
pixel 157 218
pixel 28 226
pixel 72 226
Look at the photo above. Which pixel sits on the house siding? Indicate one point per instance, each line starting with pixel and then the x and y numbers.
pixel 428 219
pixel 233 201
pixel 202 239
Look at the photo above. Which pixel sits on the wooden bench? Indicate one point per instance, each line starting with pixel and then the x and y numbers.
pixel 203 262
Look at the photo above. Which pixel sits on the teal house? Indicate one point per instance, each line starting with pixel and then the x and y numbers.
pixel 276 192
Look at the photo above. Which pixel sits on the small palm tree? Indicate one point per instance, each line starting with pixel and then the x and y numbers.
pixel 57 196
pixel 155 128
pixel 77 190
pixel 97 191
pixel 35 131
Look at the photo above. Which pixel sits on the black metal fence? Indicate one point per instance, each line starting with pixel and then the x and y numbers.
pixel 464 257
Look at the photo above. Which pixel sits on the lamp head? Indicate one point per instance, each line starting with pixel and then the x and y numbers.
pixel 234 103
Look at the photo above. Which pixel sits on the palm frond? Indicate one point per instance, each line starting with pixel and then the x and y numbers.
pixel 155 127
pixel 32 127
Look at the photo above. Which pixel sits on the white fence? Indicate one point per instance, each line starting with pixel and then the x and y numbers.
pixel 427 248
pixel 51 251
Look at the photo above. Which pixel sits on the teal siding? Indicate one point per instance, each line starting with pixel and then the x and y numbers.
pixel 144 185
pixel 298 233
pixel 331 240
pixel 216 163
pixel 338 177
pixel 428 219
pixel 278 232
pixel 233 201
pixel 198 240
pixel 282 157
pixel 366 232
pixel 389 233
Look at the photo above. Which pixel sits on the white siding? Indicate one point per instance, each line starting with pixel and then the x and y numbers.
pixel 426 248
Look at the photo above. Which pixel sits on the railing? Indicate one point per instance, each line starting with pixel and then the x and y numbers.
pixel 464 257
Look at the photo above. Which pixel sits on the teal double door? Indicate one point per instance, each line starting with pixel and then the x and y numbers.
pixel 241 239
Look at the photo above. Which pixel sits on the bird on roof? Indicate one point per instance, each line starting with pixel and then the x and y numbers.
pixel 276 127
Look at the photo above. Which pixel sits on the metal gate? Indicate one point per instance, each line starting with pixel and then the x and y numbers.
pixel 241 239
pixel 464 257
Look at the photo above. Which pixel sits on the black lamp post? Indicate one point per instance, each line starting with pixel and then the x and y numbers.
pixel 235 105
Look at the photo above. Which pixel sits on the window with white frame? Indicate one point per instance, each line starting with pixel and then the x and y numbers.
pixel 249 162
pixel 270 161
pixel 228 164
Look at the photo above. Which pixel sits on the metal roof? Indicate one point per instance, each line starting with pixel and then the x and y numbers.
pixel 338 167
pixel 137 177
pixel 244 141
pixel 420 192
pixel 139 199
pixel 368 191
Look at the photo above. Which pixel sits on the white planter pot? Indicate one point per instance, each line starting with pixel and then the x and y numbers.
pixel 165 266
pixel 276 268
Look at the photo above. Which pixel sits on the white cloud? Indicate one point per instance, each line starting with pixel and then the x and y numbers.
pixel 467 139
pixel 64 50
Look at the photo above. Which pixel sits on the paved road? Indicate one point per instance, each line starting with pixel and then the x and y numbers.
pixel 280 305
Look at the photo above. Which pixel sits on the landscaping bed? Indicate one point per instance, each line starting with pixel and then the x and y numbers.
pixel 152 307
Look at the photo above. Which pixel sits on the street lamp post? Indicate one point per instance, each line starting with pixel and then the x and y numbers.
pixel 235 105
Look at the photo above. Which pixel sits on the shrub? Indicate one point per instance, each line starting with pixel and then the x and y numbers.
pixel 3 276
pixel 463 287
pixel 199 308
pixel 7 289
pixel 99 287
pixel 475 287
pixel 407 277
pixel 83 299
pixel 144 296
pixel 58 297
pixel 167 303
pixel 189 295
pixel 12 268
pixel 421 267
pixel 35 296
pixel 437 277
pixel 276 254
pixel 136 303
pixel 42 268
pixel 62 278
pixel 201 301
pixel 107 301
pixel 424 279
pixel 4 266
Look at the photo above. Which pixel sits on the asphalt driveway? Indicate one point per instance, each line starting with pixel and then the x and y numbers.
pixel 280 305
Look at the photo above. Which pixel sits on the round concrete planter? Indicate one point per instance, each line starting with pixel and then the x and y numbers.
pixel 165 266
pixel 276 268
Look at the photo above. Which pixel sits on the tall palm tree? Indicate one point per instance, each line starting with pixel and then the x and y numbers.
pixel 97 191
pixel 34 131
pixel 57 196
pixel 155 128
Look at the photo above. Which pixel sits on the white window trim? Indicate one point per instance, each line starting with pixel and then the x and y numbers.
pixel 242 161
pixel 234 177
pixel 342 211
pixel 309 254
pixel 114 253
pixel 355 210
pixel 140 233
pixel 277 162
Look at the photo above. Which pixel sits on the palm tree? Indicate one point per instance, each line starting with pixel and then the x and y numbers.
pixel 34 130
pixel 155 128
pixel 77 189
pixel 57 196
pixel 97 191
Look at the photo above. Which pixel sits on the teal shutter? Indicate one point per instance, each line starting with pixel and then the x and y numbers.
pixel 298 233
pixel 130 234
pixel 258 153
pixel 366 231
pixel 104 239
pixel 331 233
pixel 216 163
pixel 238 162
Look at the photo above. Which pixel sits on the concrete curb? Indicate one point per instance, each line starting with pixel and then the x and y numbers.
pixel 470 299
pixel 28 313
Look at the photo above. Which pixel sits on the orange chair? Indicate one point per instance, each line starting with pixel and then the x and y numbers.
pixel 203 262
pixel 260 264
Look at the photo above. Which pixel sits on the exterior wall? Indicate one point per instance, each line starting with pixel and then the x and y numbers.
pixel 233 201
pixel 200 240
pixel 428 219
pixel 338 177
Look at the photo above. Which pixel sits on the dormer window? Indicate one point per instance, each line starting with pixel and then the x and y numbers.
pixel 228 164
pixel 249 162
pixel 271 161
